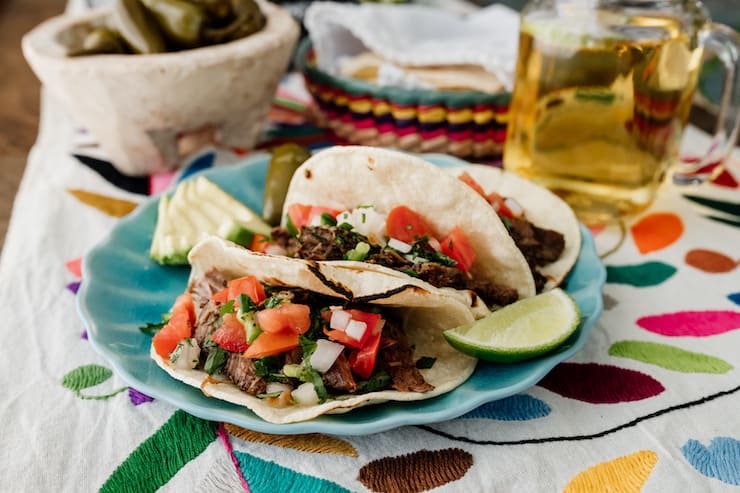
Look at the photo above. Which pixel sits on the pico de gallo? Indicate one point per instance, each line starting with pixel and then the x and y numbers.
pixel 540 246
pixel 288 346
pixel 401 239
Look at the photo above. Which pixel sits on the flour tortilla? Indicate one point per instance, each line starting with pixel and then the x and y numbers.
pixel 541 207
pixel 348 176
pixel 425 314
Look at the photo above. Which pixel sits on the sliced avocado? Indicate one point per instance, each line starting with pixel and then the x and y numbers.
pixel 196 209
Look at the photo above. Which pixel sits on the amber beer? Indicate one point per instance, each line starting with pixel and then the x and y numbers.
pixel 598 118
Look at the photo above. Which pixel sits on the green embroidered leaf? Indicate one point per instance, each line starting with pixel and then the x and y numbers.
pixel 85 377
pixel 181 439
pixel 669 357
pixel 640 275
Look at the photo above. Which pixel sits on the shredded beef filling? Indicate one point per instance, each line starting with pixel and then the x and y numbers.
pixel 206 310
pixel 339 376
pixel 540 246
pixel 241 371
pixel 333 242
pixel 396 357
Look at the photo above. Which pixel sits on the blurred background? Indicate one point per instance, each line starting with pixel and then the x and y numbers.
pixel 20 90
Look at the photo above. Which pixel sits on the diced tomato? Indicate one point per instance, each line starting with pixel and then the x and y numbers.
pixel 177 328
pixel 302 215
pixel 362 361
pixel 231 335
pixel 259 243
pixel 221 296
pixel 499 205
pixel 268 344
pixel 299 214
pixel 341 337
pixel 291 317
pixel 248 285
pixel 470 181
pixel 457 246
pixel 405 225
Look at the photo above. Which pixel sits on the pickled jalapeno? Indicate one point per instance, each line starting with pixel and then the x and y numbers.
pixel 285 159
pixel 156 26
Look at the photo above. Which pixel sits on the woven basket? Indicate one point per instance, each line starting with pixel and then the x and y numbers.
pixel 464 124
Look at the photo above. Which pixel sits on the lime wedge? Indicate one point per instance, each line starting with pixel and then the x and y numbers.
pixel 522 330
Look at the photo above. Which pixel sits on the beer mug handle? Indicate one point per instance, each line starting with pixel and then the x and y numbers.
pixel 723 42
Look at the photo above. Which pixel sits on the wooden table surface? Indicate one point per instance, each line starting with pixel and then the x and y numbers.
pixel 19 95
pixel 20 90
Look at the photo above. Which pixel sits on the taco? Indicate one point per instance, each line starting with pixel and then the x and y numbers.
pixel 293 339
pixel 542 225
pixel 370 208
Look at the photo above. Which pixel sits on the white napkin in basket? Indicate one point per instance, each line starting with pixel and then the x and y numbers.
pixel 415 35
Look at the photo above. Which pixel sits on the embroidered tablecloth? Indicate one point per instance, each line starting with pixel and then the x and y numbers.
pixel 651 403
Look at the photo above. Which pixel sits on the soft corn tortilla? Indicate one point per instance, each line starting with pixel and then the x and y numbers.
pixel 348 176
pixel 541 207
pixel 426 314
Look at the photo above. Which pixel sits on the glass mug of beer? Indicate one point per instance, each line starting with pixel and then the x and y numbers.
pixel 602 94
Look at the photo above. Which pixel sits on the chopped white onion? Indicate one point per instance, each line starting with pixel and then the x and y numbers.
pixel 514 207
pixel 399 245
pixel 273 387
pixel 366 221
pixel 356 329
pixel 186 354
pixel 273 249
pixel 305 395
pixel 434 243
pixel 316 220
pixel 339 319
pixel 325 355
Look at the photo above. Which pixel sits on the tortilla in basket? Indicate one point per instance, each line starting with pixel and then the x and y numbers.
pixel 424 313
pixel 541 207
pixel 349 176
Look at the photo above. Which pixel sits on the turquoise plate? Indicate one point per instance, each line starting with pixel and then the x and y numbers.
pixel 124 289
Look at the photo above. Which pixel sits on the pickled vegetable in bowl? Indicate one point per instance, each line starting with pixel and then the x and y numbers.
pixel 157 26
pixel 140 109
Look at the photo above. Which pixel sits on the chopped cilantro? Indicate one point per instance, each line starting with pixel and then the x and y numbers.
pixel 345 225
pixel 290 226
pixel 152 328
pixel 215 360
pixel 246 304
pixel 265 366
pixel 318 237
pixel 227 307
pixel 506 221
pixel 311 375
pixel 327 219
pixel 272 302
pixel 425 362
pixel 307 345
pixel 410 272
pixel 376 382
pixel 175 355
